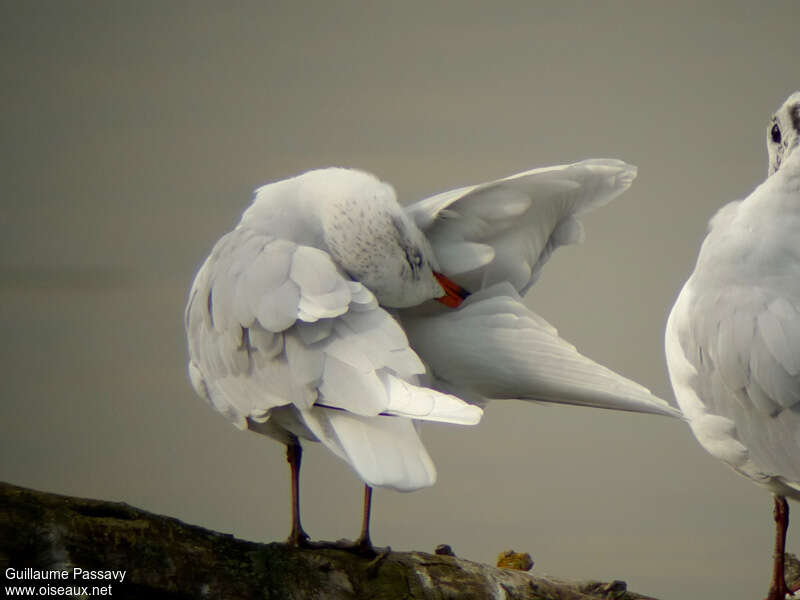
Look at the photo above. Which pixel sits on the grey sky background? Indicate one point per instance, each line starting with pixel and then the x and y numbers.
pixel 133 134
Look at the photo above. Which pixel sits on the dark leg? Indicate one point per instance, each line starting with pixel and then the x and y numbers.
pixel 363 542
pixel 362 546
pixel 778 589
pixel 294 455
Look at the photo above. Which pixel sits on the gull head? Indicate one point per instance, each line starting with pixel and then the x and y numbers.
pixel 783 132
pixel 369 235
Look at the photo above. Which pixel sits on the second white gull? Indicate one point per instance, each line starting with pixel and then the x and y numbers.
pixel 733 336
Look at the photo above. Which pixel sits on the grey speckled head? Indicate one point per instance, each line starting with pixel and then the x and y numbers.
pixel 783 132
pixel 369 235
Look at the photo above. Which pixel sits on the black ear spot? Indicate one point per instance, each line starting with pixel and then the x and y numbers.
pixel 776 134
pixel 795 112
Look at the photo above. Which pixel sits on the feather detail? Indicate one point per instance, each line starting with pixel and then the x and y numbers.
pixel 528 358
pixel 505 230
pixel 384 451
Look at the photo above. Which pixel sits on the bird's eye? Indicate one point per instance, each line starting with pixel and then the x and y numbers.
pixel 776 134
pixel 414 258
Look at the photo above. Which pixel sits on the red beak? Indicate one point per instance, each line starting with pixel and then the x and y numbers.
pixel 454 294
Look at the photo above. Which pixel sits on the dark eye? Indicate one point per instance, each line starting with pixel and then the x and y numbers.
pixel 776 134
pixel 414 258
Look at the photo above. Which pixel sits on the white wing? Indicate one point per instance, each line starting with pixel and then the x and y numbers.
pixel 505 230
pixel 734 359
pixel 496 347
pixel 272 323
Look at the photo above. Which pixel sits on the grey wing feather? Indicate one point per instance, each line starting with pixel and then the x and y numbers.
pixel 744 346
pixel 251 290
pixel 494 346
pixel 275 329
pixel 506 230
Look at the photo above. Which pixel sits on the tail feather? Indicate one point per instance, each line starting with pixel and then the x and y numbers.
pixel 385 451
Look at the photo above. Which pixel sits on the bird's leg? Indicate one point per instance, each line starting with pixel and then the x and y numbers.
pixel 294 455
pixel 364 542
pixel 363 545
pixel 778 589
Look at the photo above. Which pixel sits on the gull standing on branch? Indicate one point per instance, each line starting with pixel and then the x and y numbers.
pixel 733 336
pixel 316 319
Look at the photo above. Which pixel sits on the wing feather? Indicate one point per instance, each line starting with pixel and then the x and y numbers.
pixel 779 327
pixel 273 326
pixel 505 230
pixel 408 400
pixel 346 387
pixel 306 362
pixel 733 359
pixel 324 290
pixel 495 346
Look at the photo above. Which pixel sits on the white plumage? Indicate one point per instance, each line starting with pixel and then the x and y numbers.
pixel 313 318
pixel 505 230
pixel 499 235
pixel 273 322
pixel 733 336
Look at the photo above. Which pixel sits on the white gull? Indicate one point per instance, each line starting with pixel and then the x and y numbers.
pixel 316 319
pixel 733 336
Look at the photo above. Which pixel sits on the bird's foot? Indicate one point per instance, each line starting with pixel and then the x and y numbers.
pixel 363 547
pixel 298 538
pixel 359 547
pixel 775 593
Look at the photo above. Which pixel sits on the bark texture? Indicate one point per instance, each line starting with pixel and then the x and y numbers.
pixel 166 559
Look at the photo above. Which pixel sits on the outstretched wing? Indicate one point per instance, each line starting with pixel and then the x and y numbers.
pixel 495 346
pixel 734 359
pixel 505 230
pixel 271 323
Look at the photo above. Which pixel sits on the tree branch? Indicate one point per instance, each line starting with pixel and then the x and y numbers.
pixel 166 559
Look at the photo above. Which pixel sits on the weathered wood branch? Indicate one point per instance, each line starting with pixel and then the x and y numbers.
pixel 167 559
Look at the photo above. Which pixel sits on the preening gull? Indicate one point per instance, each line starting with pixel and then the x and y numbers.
pixel 317 318
pixel 733 336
